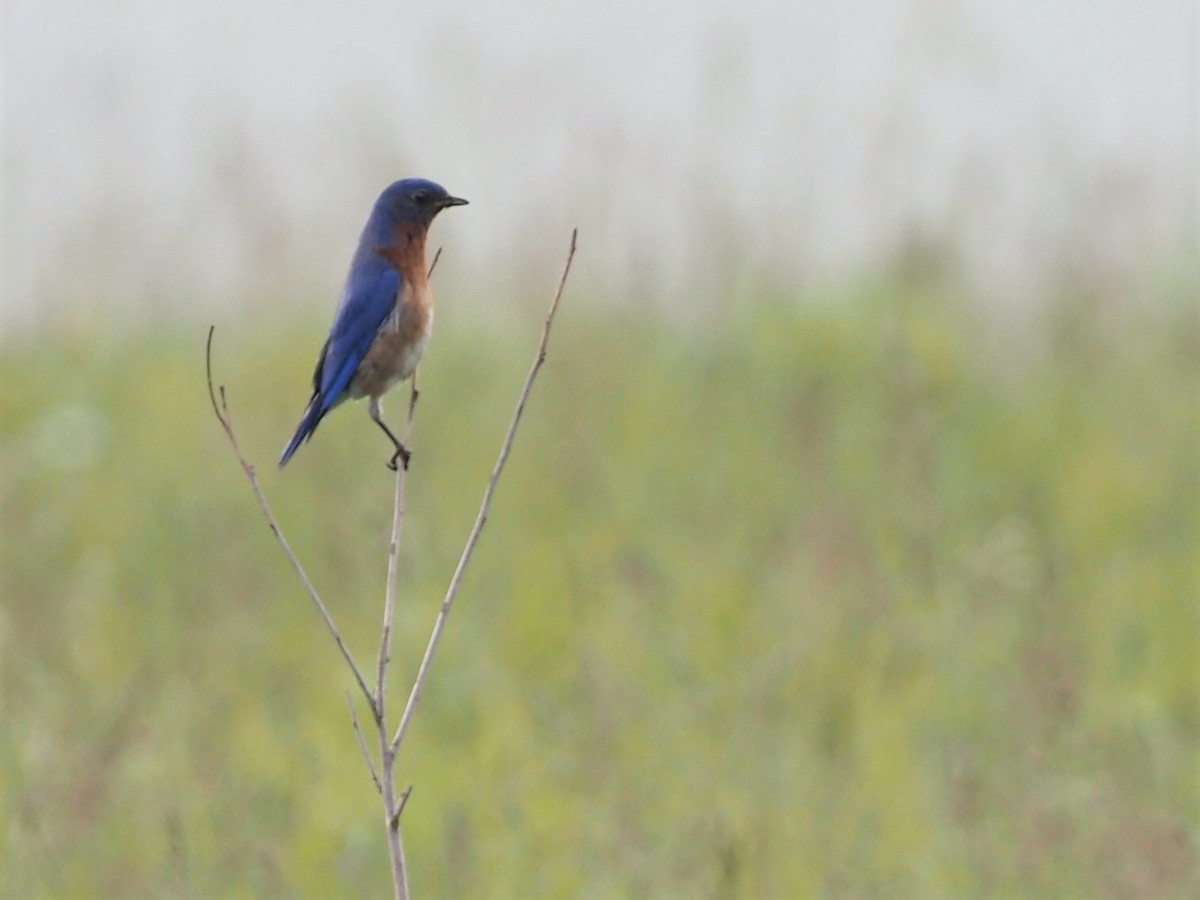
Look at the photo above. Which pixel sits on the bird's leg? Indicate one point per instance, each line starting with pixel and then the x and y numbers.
pixel 412 397
pixel 402 454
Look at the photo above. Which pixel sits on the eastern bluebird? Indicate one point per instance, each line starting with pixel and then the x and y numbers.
pixel 386 311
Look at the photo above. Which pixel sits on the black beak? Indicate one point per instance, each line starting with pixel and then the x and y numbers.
pixel 453 201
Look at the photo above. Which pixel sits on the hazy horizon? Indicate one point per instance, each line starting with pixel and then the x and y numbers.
pixel 220 154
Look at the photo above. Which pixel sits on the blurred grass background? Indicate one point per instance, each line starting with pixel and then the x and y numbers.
pixel 850 545
pixel 873 595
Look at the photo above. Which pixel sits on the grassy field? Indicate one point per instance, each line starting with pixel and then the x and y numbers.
pixel 874 597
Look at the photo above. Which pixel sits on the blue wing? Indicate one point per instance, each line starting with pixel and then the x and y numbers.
pixel 368 300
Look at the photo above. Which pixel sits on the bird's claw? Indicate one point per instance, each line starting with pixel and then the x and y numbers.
pixel 403 455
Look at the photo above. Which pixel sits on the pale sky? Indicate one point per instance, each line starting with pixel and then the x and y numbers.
pixel 218 153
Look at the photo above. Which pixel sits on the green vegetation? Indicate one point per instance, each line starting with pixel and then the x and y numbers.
pixel 870 598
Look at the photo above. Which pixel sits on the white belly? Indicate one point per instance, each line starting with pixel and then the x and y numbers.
pixel 394 355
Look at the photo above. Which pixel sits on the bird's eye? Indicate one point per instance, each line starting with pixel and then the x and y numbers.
pixel 420 197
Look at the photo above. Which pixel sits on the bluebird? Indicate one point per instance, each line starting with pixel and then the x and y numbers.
pixel 385 314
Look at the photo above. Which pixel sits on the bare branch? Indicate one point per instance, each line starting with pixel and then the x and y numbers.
pixel 226 419
pixel 387 755
pixel 362 743
pixel 400 807
pixel 389 601
pixel 473 537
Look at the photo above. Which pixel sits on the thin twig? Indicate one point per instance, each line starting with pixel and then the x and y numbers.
pixel 226 419
pixel 389 602
pixel 404 795
pixel 387 756
pixel 391 809
pixel 473 537
pixel 362 743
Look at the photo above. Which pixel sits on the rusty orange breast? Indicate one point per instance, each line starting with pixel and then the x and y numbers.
pixel 401 340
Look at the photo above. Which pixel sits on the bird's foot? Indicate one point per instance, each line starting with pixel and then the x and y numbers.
pixel 401 456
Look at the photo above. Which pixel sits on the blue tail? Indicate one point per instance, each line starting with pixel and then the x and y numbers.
pixel 308 424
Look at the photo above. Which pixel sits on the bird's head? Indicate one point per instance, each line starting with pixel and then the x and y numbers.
pixel 414 200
